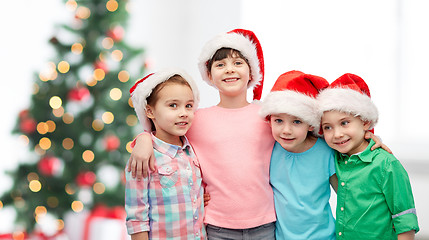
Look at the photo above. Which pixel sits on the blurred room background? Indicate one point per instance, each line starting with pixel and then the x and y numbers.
pixel 385 42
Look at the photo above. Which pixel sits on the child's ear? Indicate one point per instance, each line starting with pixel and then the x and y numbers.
pixel 209 74
pixel 311 128
pixel 366 125
pixel 149 112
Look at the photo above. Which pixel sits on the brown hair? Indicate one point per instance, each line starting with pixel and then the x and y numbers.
pixel 223 53
pixel 153 97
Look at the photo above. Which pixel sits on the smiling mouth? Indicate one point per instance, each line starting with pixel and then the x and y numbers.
pixel 342 142
pixel 182 123
pixel 230 79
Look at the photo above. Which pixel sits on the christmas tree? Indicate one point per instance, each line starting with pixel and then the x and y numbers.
pixel 80 120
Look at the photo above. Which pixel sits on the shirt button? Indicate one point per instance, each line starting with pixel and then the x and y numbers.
pixel 196 217
pixel 342 209
pixel 340 233
pixel 345 162
pixel 343 183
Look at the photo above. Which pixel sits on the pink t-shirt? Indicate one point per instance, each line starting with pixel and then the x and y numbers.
pixel 234 149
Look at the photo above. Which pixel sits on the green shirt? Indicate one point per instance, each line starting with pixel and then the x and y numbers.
pixel 374 198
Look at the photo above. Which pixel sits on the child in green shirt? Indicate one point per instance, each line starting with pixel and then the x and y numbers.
pixel 374 197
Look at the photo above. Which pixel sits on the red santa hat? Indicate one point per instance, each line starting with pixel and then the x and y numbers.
pixel 248 44
pixel 143 88
pixel 294 93
pixel 349 94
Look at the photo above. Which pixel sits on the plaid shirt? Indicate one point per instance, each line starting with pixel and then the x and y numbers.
pixel 169 203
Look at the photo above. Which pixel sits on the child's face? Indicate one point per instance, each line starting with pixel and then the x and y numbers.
pixel 172 113
pixel 290 131
pixel 230 75
pixel 344 132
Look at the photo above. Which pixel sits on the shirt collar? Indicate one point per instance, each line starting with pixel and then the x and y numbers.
pixel 169 149
pixel 365 156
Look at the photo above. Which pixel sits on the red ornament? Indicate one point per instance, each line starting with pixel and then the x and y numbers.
pixel 101 65
pixel 79 94
pixel 28 125
pixel 49 166
pixel 85 179
pixel 111 143
pixel 116 33
pixel 24 114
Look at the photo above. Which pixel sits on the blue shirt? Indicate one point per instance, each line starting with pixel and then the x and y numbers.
pixel 301 187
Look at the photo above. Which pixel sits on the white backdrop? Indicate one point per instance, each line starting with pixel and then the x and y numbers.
pixel 385 42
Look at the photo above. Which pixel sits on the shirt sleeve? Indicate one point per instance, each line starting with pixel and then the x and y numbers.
pixel 399 197
pixel 136 204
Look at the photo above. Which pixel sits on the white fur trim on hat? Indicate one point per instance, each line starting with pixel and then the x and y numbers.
pixel 292 103
pixel 144 89
pixel 235 41
pixel 348 101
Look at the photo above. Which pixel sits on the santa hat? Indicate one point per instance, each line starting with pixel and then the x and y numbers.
pixel 349 94
pixel 248 44
pixel 143 88
pixel 294 93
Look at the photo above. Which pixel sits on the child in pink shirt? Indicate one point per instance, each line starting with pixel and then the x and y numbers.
pixel 232 142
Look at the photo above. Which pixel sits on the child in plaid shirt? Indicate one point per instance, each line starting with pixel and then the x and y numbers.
pixel 168 204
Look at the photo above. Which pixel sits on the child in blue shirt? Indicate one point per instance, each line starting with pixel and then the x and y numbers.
pixel 302 165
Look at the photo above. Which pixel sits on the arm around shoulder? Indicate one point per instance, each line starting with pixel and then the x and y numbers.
pixel 378 142
pixel 142 157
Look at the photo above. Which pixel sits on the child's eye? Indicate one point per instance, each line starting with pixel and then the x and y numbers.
pixel 278 120
pixel 219 65
pixel 297 121
pixel 173 105
pixel 238 62
pixel 325 128
pixel 189 105
pixel 343 123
